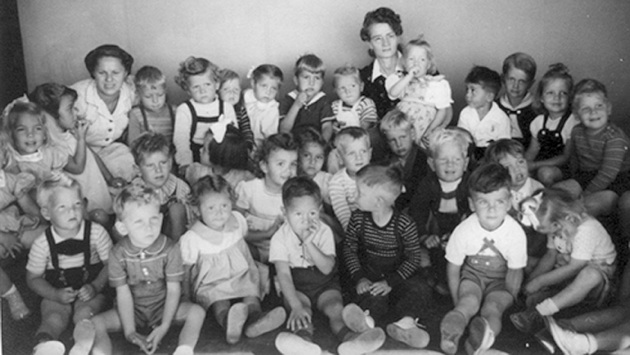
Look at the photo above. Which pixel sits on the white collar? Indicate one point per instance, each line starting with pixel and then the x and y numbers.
pixel 58 239
pixel 31 158
pixel 376 68
pixel 527 100
pixel 293 94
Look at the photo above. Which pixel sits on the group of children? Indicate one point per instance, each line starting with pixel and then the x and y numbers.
pixel 238 194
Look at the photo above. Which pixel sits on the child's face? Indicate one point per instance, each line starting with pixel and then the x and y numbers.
pixel 349 88
pixel 67 113
pixel 230 91
pixel 280 166
pixel 383 40
pixel 355 154
pixel 266 88
pixel 517 83
pixel 309 83
pixel 312 159
pixel 29 134
pixel 367 197
pixel 519 170
pixel 153 98
pixel 400 140
pixel 215 209
pixel 593 111
pixel 202 88
pixel 156 168
pixel 109 75
pixel 141 222
pixel 477 97
pixel 302 213
pixel 417 57
pixel 555 97
pixel 449 162
pixel 492 207
pixel 65 209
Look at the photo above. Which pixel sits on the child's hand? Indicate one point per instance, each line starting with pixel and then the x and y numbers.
pixel 312 229
pixel 299 318
pixel 425 139
pixel 531 287
pixel 363 286
pixel 415 71
pixel 66 295
pixel 432 241
pixel 80 129
pixel 11 244
pixel 117 182
pixel 380 288
pixel 87 292
pixel 139 340
pixel 154 339
pixel 182 170
pixel 301 99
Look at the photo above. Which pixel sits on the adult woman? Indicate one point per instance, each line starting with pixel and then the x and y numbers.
pixel 104 101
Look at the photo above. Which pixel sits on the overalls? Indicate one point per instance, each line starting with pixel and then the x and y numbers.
pixel 551 142
pixel 170 112
pixel 194 147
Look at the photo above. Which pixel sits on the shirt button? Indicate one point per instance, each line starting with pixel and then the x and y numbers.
pixel 109 129
pixel 111 121
pixel 106 139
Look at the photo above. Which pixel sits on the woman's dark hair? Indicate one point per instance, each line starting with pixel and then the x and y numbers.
pixel 381 15
pixel 107 50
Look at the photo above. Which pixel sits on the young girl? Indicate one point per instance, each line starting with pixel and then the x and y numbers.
pixel 261 199
pixel 153 113
pixel 203 112
pixel 550 147
pixel 311 160
pixel 261 103
pixel 221 273
pixel 599 162
pixel 67 133
pixel 425 98
pixel 230 92
pixel 227 158
pixel 579 263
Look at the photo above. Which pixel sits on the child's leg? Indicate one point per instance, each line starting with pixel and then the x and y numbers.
pixel 624 216
pixel 493 307
pixel 108 321
pixel 454 322
pixel 193 316
pixel 253 306
pixel 597 321
pixel 601 203
pixel 586 280
pixel 330 303
pixel 220 310
pixel 86 310
pixel 571 186
pixel 469 299
pixel 548 175
pixel 55 318
pixel 615 338
pixel 9 292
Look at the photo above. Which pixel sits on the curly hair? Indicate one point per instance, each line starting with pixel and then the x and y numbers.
pixel 210 184
pixel 380 15
pixel 195 66
pixel 148 143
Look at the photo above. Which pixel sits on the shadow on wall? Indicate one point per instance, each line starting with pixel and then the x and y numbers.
pixel 12 74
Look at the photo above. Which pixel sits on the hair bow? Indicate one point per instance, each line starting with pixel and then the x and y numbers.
pixel 529 207
pixel 22 99
pixel 218 130
pixel 250 72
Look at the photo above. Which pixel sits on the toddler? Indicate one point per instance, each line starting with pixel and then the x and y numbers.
pixel 382 255
pixel 146 270
pixel 204 111
pixel 353 149
pixel 550 146
pixel 261 103
pixel 424 96
pixel 227 158
pixel 308 105
pixel 154 156
pixel 67 133
pixel 260 199
pixel 352 108
pixel 482 117
pixel 599 162
pixel 518 76
pixel 303 251
pixel 230 92
pixel 221 273
pixel 154 113
pixel 486 255
pixel 400 136
pixel 67 266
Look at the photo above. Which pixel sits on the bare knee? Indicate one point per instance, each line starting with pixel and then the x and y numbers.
pixel 588 276
pixel 549 175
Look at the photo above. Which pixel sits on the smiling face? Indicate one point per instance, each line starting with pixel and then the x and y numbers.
pixel 201 88
pixel 449 162
pixel 519 170
pixel 302 213
pixel 109 75
pixel 309 83
pixel 348 88
pixel 492 207
pixel 593 110
pixel 65 210
pixel 215 209
pixel 153 98
pixel 417 57
pixel 280 166
pixel 230 91
pixel 67 113
pixel 266 88
pixel 312 158
pixel 517 83
pixel 155 168
pixel 555 97
pixel 383 40
pixel 29 133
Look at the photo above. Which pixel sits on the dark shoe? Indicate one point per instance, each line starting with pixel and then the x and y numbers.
pixel 528 321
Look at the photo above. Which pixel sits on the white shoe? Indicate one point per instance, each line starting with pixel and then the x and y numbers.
pixel 356 319
pixel 51 347
pixel 291 344
pixel 408 331
pixel 569 342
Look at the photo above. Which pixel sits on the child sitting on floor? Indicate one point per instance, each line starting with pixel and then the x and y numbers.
pixel 352 108
pixel 486 255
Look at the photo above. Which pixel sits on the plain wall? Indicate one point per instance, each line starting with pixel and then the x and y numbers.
pixel 591 37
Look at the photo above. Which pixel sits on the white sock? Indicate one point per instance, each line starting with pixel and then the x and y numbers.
pixel 547 308
pixel 592 343
pixel 406 322
pixel 184 350
pixel 11 290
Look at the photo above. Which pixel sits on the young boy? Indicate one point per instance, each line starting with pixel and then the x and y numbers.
pixel 303 251
pixel 400 136
pixel 486 255
pixel 353 149
pixel 382 255
pixel 482 117
pixel 67 266
pixel 153 154
pixel 352 108
pixel 153 114
pixel 440 202
pixel 307 106
pixel 146 270
pixel 518 76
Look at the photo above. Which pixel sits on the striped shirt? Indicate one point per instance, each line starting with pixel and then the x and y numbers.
pixel 244 124
pixel 343 190
pixel 382 243
pixel 605 152
pixel 364 108
pixel 39 259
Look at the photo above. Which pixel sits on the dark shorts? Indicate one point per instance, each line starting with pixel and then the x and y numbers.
pixel 148 304
pixel 489 273
pixel 620 185
pixel 312 282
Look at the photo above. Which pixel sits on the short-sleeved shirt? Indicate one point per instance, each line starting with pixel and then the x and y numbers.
pixel 343 191
pixel 494 126
pixel 434 91
pixel 552 125
pixel 468 240
pixel 262 205
pixel 364 109
pixel 527 190
pixel 39 259
pixel 316 112
pixel 287 246
pixel 591 242
pixel 48 162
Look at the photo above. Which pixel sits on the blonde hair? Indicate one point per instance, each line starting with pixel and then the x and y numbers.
pixel 351 133
pixel 388 179
pixel 134 194
pixel 559 206
pixel 394 119
pixel 47 189
pixel 19 109
pixel 422 43
pixel 149 77
pixel 347 70
pixel 444 136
